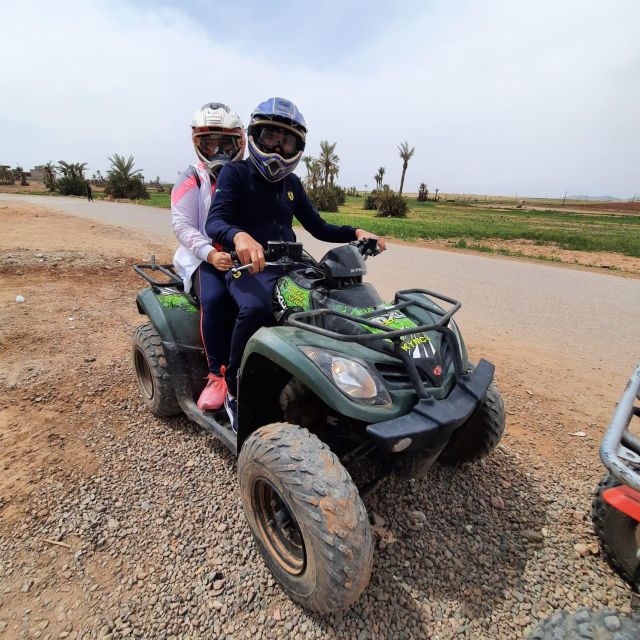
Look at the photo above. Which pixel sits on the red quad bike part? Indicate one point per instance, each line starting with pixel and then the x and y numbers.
pixel 624 499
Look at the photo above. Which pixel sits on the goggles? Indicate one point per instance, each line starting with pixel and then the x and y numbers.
pixel 216 145
pixel 278 140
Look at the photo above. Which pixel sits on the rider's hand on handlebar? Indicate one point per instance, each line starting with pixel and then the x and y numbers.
pixel 249 251
pixel 220 260
pixel 362 234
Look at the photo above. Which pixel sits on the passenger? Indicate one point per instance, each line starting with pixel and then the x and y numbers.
pixel 255 202
pixel 218 137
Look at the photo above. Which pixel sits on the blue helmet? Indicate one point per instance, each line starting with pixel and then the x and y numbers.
pixel 277 133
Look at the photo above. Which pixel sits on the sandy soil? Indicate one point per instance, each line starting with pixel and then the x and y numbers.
pixel 520 249
pixel 76 321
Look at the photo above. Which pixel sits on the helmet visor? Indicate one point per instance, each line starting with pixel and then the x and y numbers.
pixel 273 139
pixel 213 146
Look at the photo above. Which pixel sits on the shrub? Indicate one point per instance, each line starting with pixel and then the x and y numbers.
pixel 370 202
pixel 123 187
pixel 391 204
pixel 326 198
pixel 71 186
pixel 72 182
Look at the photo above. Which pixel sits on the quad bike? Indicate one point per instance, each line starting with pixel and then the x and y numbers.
pixel 340 377
pixel 616 504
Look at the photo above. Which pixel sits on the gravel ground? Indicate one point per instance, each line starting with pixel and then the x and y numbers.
pixel 158 545
pixel 118 525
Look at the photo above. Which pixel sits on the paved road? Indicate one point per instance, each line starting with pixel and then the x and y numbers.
pixel 589 319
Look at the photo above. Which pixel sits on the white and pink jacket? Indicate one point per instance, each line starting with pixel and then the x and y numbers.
pixel 190 203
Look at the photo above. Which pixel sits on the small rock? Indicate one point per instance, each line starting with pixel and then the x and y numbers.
pixel 221 528
pixel 190 464
pixel 418 517
pixel 532 536
pixel 578 434
pixel 113 524
pixel 497 502
pixel 277 616
pixel 586 550
pixel 377 520
pixel 578 515
pixel 89 359
pixel 20 298
pixel 26 585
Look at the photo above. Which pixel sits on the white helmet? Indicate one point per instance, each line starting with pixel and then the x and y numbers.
pixel 218 135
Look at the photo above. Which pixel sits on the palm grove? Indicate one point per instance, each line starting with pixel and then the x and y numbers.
pixel 123 180
pixel 326 195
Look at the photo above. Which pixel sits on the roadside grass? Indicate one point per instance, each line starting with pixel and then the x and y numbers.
pixel 432 220
pixel 465 221
pixel 470 223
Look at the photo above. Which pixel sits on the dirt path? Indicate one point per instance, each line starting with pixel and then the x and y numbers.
pixel 156 547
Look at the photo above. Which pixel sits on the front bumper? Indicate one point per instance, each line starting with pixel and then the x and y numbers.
pixel 431 422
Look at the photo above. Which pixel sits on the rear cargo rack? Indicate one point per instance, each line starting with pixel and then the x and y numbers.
pixel 380 340
pixel 165 269
pixel 620 449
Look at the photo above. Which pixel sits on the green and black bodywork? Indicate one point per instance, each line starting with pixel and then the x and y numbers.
pixel 366 378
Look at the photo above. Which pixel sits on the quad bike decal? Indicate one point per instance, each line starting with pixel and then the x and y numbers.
pixel 289 295
pixel 176 301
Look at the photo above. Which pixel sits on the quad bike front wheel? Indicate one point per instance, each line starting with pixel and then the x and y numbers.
pixel 619 535
pixel 480 435
pixel 152 375
pixel 306 516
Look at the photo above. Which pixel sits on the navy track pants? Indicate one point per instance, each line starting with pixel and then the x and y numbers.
pixel 217 315
pixel 253 294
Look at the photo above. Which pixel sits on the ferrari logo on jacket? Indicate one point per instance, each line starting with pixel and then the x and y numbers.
pixel 290 194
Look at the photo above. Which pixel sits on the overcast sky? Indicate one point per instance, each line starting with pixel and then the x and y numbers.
pixel 533 97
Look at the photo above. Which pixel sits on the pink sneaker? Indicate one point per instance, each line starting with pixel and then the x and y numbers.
pixel 213 395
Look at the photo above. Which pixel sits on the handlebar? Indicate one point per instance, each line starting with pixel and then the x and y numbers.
pixel 288 254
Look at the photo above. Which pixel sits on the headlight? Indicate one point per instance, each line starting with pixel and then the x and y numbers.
pixel 352 377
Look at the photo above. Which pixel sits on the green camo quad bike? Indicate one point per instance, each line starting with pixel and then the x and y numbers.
pixel 340 376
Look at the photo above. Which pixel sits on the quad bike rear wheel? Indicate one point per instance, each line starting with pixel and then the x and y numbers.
pixel 480 435
pixel 586 624
pixel 306 516
pixel 619 535
pixel 152 375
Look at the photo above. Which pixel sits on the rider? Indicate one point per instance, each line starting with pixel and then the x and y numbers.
pixel 218 137
pixel 255 202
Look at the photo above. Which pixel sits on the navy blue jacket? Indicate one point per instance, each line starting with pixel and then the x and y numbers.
pixel 245 201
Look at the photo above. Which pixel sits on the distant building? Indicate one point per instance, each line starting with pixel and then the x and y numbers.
pixel 38 173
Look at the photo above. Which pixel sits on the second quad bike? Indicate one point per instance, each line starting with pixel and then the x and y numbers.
pixel 340 377
pixel 616 504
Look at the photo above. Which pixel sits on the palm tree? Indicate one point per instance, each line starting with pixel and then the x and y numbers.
pixel 123 180
pixel 123 169
pixel 381 172
pixel 50 176
pixel 406 154
pixel 328 159
pixel 72 170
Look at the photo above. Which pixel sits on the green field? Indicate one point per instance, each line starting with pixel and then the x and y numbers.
pixel 431 220
pixel 468 223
